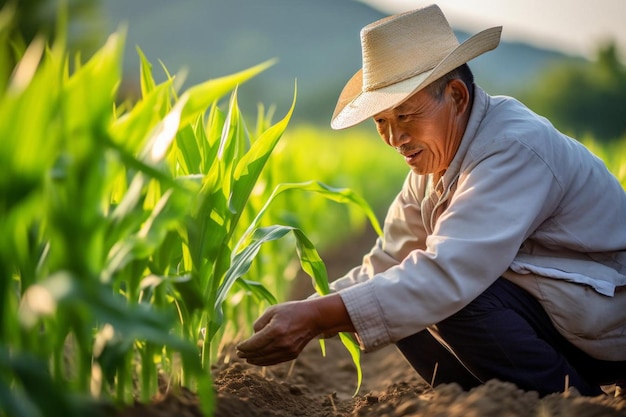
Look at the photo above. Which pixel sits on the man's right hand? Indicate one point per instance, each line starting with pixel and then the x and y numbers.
pixel 283 331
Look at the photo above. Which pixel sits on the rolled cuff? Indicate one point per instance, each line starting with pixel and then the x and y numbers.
pixel 366 315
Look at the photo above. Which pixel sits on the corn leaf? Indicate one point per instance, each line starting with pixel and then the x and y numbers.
pixel 190 294
pixel 257 289
pixel 242 261
pixel 89 92
pixel 208 138
pixel 340 195
pixel 30 139
pixel 130 130
pixel 233 144
pixel 155 227
pixel 249 167
pixel 355 353
pixel 313 265
pixel 201 96
pixel 7 13
pixel 190 150
pixel 145 68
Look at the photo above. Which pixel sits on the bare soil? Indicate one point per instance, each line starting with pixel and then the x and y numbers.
pixel 318 386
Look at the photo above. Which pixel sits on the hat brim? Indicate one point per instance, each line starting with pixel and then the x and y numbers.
pixel 355 105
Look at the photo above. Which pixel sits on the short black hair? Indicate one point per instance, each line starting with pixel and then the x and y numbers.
pixel 464 73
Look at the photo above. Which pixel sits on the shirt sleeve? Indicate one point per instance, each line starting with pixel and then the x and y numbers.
pixel 403 232
pixel 504 192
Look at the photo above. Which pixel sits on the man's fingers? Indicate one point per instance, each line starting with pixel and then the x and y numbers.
pixel 256 343
pixel 261 338
pixel 272 358
pixel 280 334
pixel 262 321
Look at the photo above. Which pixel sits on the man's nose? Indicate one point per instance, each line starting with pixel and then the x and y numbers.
pixel 397 136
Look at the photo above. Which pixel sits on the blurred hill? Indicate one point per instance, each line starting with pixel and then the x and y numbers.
pixel 316 42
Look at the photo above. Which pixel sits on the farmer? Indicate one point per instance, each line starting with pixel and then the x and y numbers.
pixel 503 255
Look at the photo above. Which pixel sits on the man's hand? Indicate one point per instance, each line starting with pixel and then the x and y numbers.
pixel 285 329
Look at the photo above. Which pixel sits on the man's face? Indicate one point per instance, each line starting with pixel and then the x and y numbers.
pixel 426 131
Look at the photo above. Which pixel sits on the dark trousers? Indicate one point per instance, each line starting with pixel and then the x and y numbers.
pixel 505 334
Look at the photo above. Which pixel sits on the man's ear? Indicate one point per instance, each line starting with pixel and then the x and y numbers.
pixel 459 93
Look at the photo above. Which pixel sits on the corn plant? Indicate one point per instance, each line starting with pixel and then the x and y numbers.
pixel 121 225
pixel 65 329
pixel 216 255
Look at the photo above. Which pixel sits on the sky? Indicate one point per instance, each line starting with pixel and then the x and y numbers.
pixel 573 26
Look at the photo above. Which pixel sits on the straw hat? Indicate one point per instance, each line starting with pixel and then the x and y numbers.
pixel 401 55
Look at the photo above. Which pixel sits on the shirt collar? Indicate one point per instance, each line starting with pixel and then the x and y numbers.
pixel 479 109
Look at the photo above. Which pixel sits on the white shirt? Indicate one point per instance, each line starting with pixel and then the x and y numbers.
pixel 518 197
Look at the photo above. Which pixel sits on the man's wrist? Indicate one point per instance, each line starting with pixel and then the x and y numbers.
pixel 331 315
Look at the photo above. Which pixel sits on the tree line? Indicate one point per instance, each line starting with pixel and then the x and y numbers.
pixel 587 99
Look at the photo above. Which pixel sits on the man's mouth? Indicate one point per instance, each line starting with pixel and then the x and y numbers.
pixel 411 156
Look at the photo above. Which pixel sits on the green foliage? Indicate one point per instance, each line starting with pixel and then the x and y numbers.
pixel 584 99
pixel 612 153
pixel 127 227
pixel 62 290
pixel 81 22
